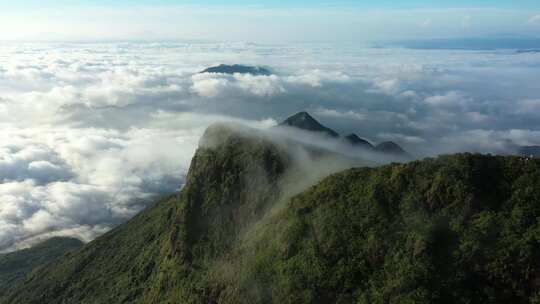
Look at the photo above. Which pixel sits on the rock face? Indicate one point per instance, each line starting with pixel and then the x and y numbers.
pixel 445 230
pixel 237 68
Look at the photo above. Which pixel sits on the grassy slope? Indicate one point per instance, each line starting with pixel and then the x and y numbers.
pixel 14 266
pixel 457 229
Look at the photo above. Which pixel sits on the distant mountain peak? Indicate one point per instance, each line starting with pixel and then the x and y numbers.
pixel 390 147
pixel 355 140
pixel 303 120
pixel 238 69
pixel 302 117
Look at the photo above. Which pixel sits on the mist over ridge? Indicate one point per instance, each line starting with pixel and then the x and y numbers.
pixel 93 132
pixel 255 202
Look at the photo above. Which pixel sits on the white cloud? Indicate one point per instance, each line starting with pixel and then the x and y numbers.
pixel 387 86
pixel 535 19
pixel 260 85
pixel 426 23
pixel 477 117
pixel 317 77
pixel 528 106
pixel 97 177
pixel 212 85
pixel 448 99
pixel 337 114
pixel 466 22
pixel 402 137
pixel 215 84
pixel 207 85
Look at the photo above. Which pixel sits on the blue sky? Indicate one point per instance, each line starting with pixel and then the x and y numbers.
pixel 268 21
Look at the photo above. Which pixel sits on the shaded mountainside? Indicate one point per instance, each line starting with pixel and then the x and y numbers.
pixel 456 229
pixel 14 266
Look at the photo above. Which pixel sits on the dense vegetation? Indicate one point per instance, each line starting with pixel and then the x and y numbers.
pixel 456 229
pixel 14 266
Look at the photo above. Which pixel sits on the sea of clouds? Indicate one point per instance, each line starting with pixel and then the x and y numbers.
pixel 90 133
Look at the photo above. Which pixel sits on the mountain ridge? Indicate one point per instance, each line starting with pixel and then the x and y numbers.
pixel 441 230
pixel 234 178
pixel 304 121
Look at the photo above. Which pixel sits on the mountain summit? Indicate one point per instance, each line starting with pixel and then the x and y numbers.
pixel 306 122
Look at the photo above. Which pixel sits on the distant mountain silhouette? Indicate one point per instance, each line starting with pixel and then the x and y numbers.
pixel 306 122
pixel 238 68
pixel 390 147
pixel 354 140
pixel 527 151
pixel 533 51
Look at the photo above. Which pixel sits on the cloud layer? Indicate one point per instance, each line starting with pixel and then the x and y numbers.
pixel 92 132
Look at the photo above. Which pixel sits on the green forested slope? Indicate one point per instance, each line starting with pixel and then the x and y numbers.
pixel 456 229
pixel 14 266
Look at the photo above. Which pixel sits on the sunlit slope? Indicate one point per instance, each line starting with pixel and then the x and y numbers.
pixel 457 229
